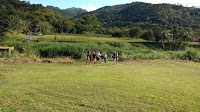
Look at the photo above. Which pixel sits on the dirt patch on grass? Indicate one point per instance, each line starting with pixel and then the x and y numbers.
pixel 33 60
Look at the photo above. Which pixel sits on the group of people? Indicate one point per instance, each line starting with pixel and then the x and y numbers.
pixel 93 57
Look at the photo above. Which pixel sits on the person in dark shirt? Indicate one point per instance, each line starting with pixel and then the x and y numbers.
pixel 115 57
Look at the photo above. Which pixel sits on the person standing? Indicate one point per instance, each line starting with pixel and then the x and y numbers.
pixel 89 57
pixel 105 56
pixel 98 55
pixel 115 57
pixel 94 56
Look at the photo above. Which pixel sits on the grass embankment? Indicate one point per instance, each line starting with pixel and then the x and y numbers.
pixel 131 86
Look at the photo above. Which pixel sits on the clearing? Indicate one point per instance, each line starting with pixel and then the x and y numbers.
pixel 150 85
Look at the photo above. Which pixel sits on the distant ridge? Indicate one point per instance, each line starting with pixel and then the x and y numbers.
pixel 147 15
pixel 69 12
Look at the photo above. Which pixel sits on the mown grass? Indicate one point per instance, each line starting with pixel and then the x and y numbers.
pixel 159 85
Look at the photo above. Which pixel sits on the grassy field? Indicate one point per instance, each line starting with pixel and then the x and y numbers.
pixel 156 85
pixel 85 38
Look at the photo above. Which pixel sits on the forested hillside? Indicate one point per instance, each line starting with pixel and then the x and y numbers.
pixel 148 15
pixel 70 12
pixel 22 17
pixel 128 20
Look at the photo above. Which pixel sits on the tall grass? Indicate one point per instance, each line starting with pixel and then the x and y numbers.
pixel 77 50
pixel 73 50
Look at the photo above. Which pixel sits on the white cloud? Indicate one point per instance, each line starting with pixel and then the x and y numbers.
pixel 90 7
pixel 187 3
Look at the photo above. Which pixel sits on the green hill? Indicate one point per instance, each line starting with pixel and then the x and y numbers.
pixel 22 17
pixel 70 12
pixel 148 15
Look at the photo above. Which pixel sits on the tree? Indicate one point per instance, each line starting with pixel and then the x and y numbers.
pixel 88 23
pixel 163 38
pixel 14 24
pixel 183 36
pixel 148 35
pixel 25 27
pixel 134 32
pixel 158 32
pixel 118 33
pixel 3 27
pixel 196 33
pixel 180 36
pixel 45 27
pixel 68 25
pixel 175 31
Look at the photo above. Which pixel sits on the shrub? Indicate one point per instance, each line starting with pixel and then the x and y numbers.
pixel 191 54
pixel 4 54
pixel 118 34
pixel 52 50
pixel 175 54
pixel 2 39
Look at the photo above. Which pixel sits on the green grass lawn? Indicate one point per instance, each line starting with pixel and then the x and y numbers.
pixel 156 85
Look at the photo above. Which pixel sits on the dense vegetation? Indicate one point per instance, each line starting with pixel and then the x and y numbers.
pixel 20 16
pixel 148 15
pixel 120 19
pixel 23 17
pixel 76 47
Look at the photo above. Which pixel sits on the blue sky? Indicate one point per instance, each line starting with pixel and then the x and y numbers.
pixel 95 4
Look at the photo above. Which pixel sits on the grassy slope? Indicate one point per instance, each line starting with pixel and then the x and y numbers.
pixel 131 86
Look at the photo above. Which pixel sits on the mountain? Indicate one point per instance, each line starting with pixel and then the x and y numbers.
pixel 70 12
pixel 147 15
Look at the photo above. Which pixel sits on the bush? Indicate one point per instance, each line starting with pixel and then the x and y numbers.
pixel 118 34
pixel 18 44
pixel 4 54
pixel 52 50
pixel 21 46
pixel 2 39
pixel 191 54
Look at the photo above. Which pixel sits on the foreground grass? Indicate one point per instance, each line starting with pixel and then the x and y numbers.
pixel 131 86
